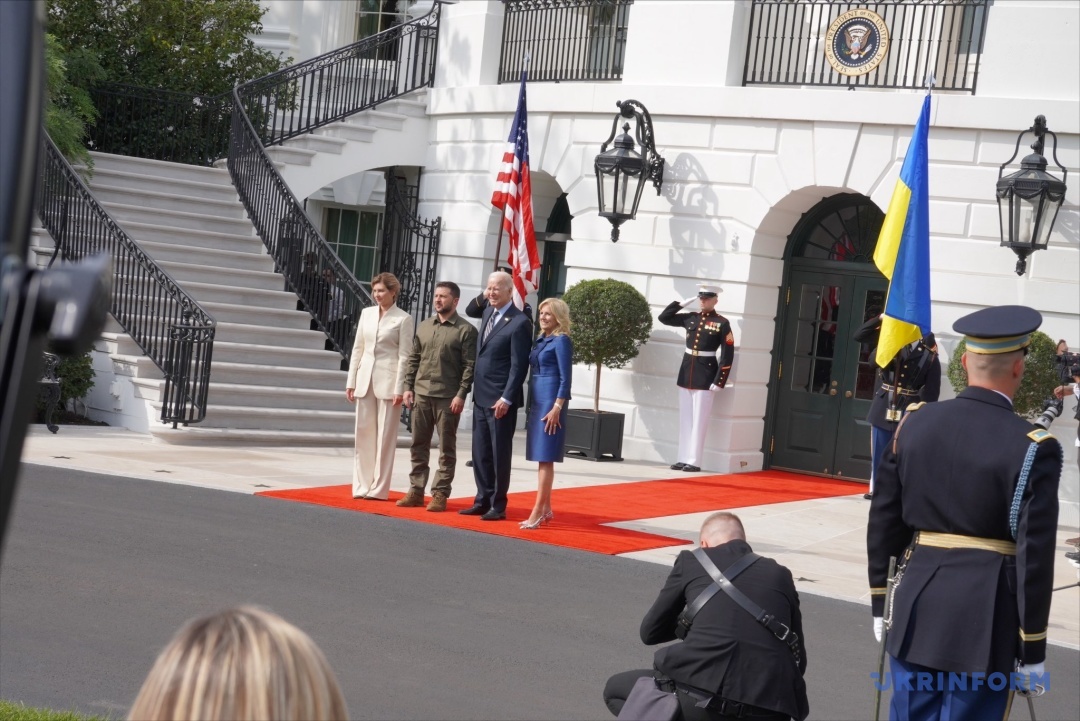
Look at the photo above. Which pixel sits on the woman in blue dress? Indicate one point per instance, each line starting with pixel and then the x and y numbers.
pixel 549 390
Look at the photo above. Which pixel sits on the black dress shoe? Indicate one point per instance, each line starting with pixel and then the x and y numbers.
pixel 677 466
pixel 468 464
pixel 690 469
pixel 473 511
pixel 868 496
pixel 493 515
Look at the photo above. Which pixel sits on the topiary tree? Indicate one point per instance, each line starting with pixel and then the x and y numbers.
pixel 610 321
pixel 1040 375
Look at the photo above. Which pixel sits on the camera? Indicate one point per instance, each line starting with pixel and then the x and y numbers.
pixel 1051 410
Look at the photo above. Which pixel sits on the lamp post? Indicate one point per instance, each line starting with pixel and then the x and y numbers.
pixel 1029 199
pixel 621 172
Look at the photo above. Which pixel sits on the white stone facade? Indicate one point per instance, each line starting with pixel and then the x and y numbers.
pixel 743 164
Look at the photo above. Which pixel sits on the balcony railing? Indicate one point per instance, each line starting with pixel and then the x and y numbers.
pixel 174 331
pixel 569 40
pixel 826 42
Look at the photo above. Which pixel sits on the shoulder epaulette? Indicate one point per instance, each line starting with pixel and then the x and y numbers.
pixel 1039 435
pixel 915 406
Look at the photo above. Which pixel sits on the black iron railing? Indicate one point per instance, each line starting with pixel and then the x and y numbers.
pixel 790 42
pixel 564 39
pixel 296 101
pixel 161 124
pixel 323 90
pixel 167 323
pixel 410 246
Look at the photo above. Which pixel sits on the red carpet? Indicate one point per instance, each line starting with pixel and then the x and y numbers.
pixel 580 513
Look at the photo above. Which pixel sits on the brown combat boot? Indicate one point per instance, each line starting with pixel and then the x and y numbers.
pixel 438 502
pixel 413 498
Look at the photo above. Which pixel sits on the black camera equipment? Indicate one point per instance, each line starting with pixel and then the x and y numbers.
pixel 1050 411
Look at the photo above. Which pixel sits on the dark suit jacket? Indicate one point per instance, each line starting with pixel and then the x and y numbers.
pixel 725 651
pixel 503 361
pixel 955 470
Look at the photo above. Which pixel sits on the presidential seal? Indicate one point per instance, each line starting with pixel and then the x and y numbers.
pixel 856 42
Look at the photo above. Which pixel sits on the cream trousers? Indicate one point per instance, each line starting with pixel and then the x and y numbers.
pixel 376 440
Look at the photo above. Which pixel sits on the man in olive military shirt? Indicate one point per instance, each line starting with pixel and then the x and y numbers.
pixel 706 363
pixel 438 377
pixel 967 501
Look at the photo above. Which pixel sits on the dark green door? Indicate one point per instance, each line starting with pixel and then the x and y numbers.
pixel 824 378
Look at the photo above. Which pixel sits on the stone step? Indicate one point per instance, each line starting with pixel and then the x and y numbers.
pixel 277 419
pixel 155 169
pixel 318 143
pixel 290 155
pixel 125 214
pixel 268 299
pixel 150 197
pixel 236 241
pixel 254 315
pixel 178 186
pixel 235 277
pixel 382 119
pixel 194 255
pixel 259 354
pixel 195 435
pixel 277 397
pixel 413 105
pixel 287 376
pixel 350 131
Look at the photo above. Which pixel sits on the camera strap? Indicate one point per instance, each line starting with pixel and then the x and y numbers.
pixel 686 618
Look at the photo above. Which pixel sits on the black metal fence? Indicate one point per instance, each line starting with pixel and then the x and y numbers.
pixel 167 323
pixel 565 39
pixel 790 41
pixel 323 90
pixel 300 253
pixel 161 124
pixel 410 246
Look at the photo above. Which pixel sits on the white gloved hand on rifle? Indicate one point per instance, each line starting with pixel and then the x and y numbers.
pixel 879 627
pixel 1025 673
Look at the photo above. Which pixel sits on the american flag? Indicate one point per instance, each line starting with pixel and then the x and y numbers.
pixel 513 195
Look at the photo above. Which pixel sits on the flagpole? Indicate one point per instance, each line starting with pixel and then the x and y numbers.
pixel 498 243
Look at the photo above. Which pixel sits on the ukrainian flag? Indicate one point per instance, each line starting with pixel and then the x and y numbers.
pixel 903 250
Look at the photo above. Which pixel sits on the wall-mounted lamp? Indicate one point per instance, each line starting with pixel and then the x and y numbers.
pixel 621 172
pixel 1029 199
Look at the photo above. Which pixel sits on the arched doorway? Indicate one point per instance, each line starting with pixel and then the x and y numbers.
pixel 822 381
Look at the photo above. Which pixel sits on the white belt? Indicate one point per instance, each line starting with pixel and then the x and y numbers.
pixel 690 351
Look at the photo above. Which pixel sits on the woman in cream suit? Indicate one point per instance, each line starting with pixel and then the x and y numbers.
pixel 376 383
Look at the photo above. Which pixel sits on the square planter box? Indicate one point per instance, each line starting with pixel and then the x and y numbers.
pixel 595 436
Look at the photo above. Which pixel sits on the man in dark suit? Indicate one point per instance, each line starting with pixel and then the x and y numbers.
pixel 913 375
pixel 967 502
pixel 727 665
pixel 502 361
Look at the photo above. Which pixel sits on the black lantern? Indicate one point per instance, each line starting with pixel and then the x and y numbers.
pixel 621 172
pixel 1029 199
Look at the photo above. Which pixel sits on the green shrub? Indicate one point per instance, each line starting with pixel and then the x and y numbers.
pixel 609 321
pixel 1040 376
pixel 21 712
pixel 76 376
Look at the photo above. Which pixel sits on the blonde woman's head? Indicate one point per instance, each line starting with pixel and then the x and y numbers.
pixel 561 313
pixel 242 664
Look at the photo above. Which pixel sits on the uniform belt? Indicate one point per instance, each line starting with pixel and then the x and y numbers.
pixel 901 391
pixel 691 351
pixel 953 540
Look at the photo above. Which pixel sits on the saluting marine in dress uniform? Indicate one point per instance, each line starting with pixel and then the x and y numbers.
pixel 967 501
pixel 918 379
pixel 710 349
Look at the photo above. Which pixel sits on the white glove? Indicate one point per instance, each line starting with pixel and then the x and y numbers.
pixel 715 387
pixel 1024 672
pixel 879 627
pixel 687 301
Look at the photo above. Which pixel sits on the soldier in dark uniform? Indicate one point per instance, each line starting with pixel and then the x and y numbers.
pixel 914 375
pixel 967 501
pixel 710 349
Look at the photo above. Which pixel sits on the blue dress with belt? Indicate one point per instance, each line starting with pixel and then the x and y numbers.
pixel 549 378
